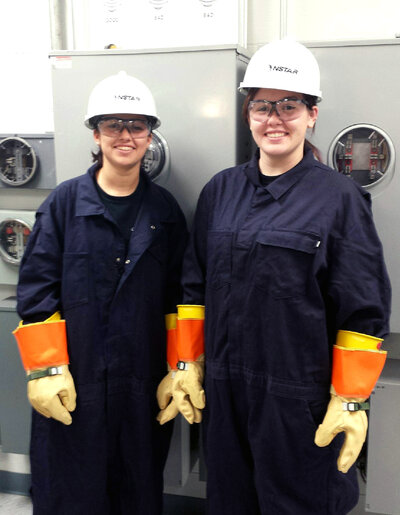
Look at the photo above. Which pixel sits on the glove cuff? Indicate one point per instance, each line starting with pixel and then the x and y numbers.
pixel 359 341
pixel 355 370
pixel 42 344
pixel 190 332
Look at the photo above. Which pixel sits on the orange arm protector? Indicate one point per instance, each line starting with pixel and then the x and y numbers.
pixel 42 344
pixel 357 364
pixel 190 332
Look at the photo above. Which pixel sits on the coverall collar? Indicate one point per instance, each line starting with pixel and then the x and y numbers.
pixel 88 202
pixel 284 182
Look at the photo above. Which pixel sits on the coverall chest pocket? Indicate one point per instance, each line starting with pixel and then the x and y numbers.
pixel 219 258
pixel 284 262
pixel 75 280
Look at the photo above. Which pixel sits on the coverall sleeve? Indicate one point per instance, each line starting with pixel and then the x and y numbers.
pixel 39 284
pixel 358 284
pixel 178 237
pixel 195 261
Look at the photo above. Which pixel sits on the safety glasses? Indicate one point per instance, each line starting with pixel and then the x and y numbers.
pixel 112 127
pixel 287 109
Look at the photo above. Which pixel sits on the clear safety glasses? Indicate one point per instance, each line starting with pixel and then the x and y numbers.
pixel 287 109
pixel 114 126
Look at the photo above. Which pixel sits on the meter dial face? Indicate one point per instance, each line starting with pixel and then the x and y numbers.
pixel 17 161
pixel 14 236
pixel 364 153
pixel 156 158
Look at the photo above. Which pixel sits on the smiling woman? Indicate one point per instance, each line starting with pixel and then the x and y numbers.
pixel 292 331
pixel 99 275
pixel 122 124
pixel 280 131
pixel 123 142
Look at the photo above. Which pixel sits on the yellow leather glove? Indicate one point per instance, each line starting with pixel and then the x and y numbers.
pixel 165 400
pixel 357 361
pixel 181 389
pixel 187 389
pixel 53 396
pixel 164 391
pixel 339 418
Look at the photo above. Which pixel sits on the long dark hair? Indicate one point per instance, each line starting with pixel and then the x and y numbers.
pixel 311 102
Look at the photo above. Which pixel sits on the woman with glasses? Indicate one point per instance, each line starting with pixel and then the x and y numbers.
pixel 285 258
pixel 100 272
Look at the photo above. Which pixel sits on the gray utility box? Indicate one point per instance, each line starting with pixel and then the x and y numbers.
pixel 27 161
pixel 383 474
pixel 15 412
pixel 359 83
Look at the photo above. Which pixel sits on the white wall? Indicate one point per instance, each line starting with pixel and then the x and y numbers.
pixel 25 90
pixel 263 18
pixel 342 19
pixel 25 87
pixel 322 20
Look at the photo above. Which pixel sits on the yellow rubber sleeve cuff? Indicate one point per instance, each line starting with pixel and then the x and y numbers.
pixel 359 341
pixel 42 344
pixel 355 372
pixel 172 351
pixel 170 321
pixel 190 311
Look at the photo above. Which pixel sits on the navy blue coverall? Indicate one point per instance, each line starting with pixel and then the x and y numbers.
pixel 111 458
pixel 280 269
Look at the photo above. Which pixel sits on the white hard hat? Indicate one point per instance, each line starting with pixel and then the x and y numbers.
pixel 283 64
pixel 121 94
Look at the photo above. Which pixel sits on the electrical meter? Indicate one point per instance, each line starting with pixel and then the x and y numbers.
pixel 365 153
pixel 14 234
pixel 17 161
pixel 156 159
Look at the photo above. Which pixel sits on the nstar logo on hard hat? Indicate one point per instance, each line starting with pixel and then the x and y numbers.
pixel 283 64
pixel 281 69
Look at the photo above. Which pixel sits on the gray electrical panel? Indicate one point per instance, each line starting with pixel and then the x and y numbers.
pixel 357 134
pixel 15 409
pixel 27 161
pixel 359 82
pixel 383 473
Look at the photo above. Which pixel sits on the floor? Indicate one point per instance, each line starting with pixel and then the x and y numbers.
pixel 174 505
pixel 190 503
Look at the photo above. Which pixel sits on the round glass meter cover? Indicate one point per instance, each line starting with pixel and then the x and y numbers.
pixel 363 153
pixel 14 236
pixel 155 158
pixel 17 161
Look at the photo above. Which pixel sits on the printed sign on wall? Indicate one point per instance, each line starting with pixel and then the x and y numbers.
pixel 146 24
